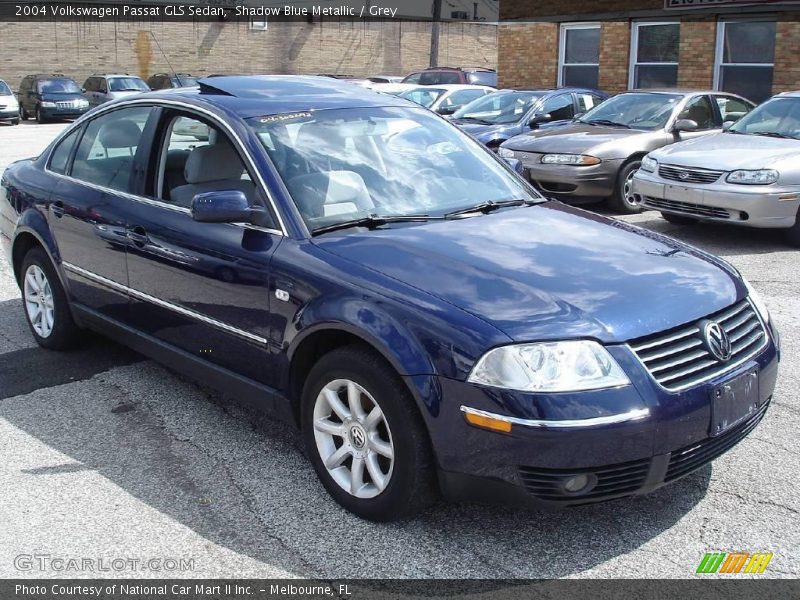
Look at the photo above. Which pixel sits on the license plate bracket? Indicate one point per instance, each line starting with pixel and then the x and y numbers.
pixel 733 401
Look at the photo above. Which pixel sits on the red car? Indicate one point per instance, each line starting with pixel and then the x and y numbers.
pixel 446 75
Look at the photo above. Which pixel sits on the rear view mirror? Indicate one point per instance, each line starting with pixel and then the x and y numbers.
pixel 226 206
pixel 685 125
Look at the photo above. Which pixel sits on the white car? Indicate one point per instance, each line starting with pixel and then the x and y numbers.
pixel 445 99
pixel 9 107
pixel 748 175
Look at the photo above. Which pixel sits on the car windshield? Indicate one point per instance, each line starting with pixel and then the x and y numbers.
pixel 58 86
pixel 482 78
pixel 424 96
pixel 779 117
pixel 499 107
pixel 636 110
pixel 184 81
pixel 127 84
pixel 4 89
pixel 344 164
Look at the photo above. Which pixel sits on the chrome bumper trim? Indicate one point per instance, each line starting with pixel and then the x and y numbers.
pixel 633 415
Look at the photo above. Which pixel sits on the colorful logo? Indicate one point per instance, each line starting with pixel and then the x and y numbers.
pixel 734 562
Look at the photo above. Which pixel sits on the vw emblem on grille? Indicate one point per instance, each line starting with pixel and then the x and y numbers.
pixel 716 340
pixel 683 175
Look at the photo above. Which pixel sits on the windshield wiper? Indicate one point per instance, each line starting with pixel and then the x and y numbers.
pixel 774 134
pixel 373 221
pixel 475 120
pixel 489 206
pixel 606 122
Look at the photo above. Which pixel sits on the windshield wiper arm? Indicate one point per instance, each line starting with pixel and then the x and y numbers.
pixel 373 221
pixel 774 134
pixel 476 120
pixel 489 206
pixel 606 122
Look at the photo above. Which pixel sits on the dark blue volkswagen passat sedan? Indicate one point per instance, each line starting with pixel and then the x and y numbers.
pixel 361 268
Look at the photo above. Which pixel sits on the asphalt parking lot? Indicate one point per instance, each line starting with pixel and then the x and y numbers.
pixel 106 455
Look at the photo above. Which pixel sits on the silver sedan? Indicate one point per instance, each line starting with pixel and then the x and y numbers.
pixel 747 175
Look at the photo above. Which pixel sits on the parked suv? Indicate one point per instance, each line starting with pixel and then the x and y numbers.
pixel 100 88
pixel 165 81
pixel 9 107
pixel 50 97
pixel 441 75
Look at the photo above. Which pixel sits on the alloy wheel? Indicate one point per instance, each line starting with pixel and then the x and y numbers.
pixel 627 189
pixel 38 297
pixel 353 438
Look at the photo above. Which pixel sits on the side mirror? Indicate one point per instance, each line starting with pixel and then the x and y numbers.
pixel 727 125
pixel 83 90
pixel 515 164
pixel 685 125
pixel 539 118
pixel 578 115
pixel 226 206
pixel 447 110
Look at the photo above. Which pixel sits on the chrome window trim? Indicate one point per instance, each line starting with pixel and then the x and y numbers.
pixel 705 379
pixel 189 107
pixel 632 415
pixel 165 304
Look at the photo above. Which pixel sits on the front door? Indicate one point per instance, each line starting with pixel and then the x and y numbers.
pixel 201 287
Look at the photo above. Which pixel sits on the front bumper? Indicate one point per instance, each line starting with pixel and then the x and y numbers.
pixel 749 205
pixel 634 456
pixel 9 114
pixel 49 112
pixel 571 184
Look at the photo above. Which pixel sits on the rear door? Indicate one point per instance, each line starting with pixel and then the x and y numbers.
pixel 201 287
pixel 100 172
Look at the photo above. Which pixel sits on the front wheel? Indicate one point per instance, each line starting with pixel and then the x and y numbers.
pixel 39 116
pixel 624 200
pixel 45 303
pixel 23 114
pixel 365 436
pixel 15 121
pixel 792 235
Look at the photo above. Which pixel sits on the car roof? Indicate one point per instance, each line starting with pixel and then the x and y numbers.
pixel 114 75
pixel 679 91
pixel 790 94
pixel 256 95
pixel 452 87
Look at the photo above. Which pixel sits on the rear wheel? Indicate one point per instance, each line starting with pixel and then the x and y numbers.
pixel 45 303
pixel 365 436
pixel 623 199
pixel 678 219
pixel 23 114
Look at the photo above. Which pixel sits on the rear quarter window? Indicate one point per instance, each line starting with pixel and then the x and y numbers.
pixel 59 159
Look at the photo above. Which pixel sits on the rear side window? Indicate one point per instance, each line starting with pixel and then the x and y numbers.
pixel 482 78
pixel 587 102
pixel 732 109
pixel 439 78
pixel 106 151
pixel 59 159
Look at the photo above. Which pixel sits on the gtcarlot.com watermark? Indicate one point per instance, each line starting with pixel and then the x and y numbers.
pixel 114 564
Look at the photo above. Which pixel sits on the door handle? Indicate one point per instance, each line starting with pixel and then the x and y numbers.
pixel 137 235
pixel 57 208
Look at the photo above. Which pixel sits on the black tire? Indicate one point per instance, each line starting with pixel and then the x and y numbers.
pixel 792 235
pixel 678 219
pixel 15 121
pixel 39 117
pixel 412 483
pixel 23 114
pixel 621 200
pixel 65 334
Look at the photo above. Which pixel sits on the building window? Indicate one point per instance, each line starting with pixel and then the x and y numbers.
pixel 654 55
pixel 258 24
pixel 579 55
pixel 745 58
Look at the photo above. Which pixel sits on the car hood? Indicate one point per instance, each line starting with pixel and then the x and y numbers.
pixel 728 151
pixel 8 98
pixel 117 95
pixel 487 133
pixel 549 271
pixel 571 139
pixel 50 97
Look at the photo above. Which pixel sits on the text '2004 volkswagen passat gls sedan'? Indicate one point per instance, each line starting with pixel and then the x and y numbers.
pixel 366 271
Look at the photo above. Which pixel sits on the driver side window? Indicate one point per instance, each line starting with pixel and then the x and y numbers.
pixel 559 108
pixel 700 111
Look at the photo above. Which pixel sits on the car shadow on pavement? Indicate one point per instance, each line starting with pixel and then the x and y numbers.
pixel 242 482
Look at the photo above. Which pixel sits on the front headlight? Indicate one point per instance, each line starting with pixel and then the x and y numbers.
pixel 759 177
pixel 757 301
pixel 83 103
pixel 505 152
pixel 549 367
pixel 649 164
pixel 570 159
pixel 47 104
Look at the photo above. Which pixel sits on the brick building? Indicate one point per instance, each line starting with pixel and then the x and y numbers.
pixel 749 47
pixel 79 48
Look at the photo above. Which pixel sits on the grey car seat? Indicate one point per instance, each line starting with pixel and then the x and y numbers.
pixel 212 168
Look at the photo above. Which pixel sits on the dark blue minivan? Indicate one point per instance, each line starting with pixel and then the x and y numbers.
pixel 363 270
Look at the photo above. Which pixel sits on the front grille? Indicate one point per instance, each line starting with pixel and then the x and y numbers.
pixel 688 459
pixel 678 359
pixel 612 481
pixel 685 175
pixel 689 208
pixel 67 104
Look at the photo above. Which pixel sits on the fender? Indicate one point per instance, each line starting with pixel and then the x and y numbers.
pixel 32 222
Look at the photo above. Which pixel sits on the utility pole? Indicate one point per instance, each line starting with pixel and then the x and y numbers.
pixel 437 14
